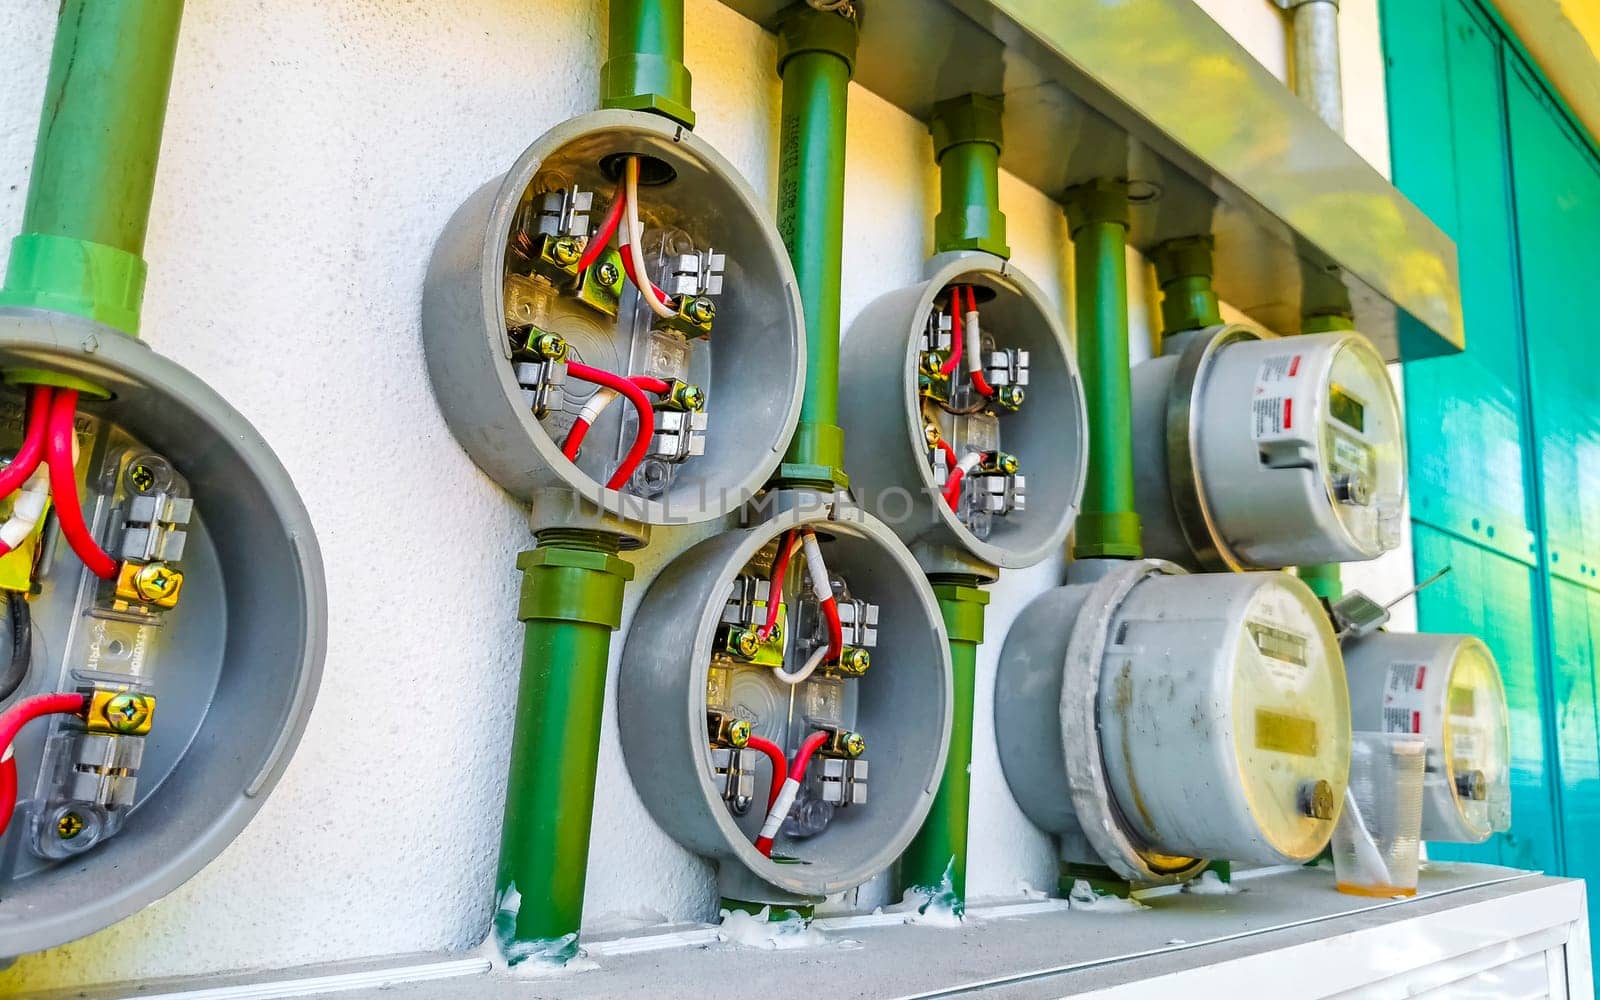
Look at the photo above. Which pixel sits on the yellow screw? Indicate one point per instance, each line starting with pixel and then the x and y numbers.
pixel 128 713
pixel 739 732
pixel 853 744
pixel 565 251
pixel 158 583
pixel 69 825
pixel 749 644
pixel 855 660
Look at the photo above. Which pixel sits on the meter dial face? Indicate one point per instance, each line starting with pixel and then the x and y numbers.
pixel 1363 447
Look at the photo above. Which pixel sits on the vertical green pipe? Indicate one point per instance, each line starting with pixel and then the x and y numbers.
pixel 644 68
pixel 1324 579
pixel 816 55
pixel 966 145
pixel 572 590
pixel 1184 269
pixel 1098 217
pixel 937 858
pixel 94 167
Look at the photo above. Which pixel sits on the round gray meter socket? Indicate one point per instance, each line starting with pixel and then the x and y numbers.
pixel 756 350
pixel 886 446
pixel 235 678
pixel 902 705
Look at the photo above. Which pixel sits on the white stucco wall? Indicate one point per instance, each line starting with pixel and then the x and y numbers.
pixel 313 152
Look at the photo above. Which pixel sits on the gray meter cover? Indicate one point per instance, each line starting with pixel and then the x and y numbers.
pixel 902 705
pixel 1158 719
pixel 886 440
pixel 751 367
pixel 1446 689
pixel 234 667
pixel 1263 453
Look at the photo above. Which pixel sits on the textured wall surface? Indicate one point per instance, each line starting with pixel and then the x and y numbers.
pixel 313 152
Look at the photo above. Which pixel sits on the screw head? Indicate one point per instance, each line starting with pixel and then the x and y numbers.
pixel 693 397
pixel 607 273
pixel 128 713
pixel 565 251
pixel 156 582
pixel 748 643
pixel 1316 799
pixel 739 732
pixel 69 825
pixel 701 310
pixel 853 744
pixel 856 660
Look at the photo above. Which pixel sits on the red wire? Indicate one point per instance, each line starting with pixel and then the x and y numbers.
pixel 952 481
pixel 780 566
pixel 641 403
pixel 627 265
pixel 580 427
pixel 64 486
pixel 574 440
pixel 11 723
pixel 608 229
pixel 14 475
pixel 830 608
pixel 802 757
pixel 954 359
pixel 979 383
pixel 780 767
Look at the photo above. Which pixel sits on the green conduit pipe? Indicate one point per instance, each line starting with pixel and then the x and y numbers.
pixel 1097 214
pixel 966 145
pixel 937 858
pixel 816 54
pixel 94 168
pixel 1324 579
pixel 572 588
pixel 1184 269
pixel 644 69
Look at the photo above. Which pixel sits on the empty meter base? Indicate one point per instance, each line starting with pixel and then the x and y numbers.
pixel 1446 689
pixel 121 806
pixel 1154 719
pixel 519 340
pixel 699 693
pixel 1264 452
pixel 1003 403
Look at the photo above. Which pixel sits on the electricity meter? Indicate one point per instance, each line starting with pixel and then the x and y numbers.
pixel 964 413
pixel 784 701
pixel 613 328
pixel 1446 689
pixel 1155 720
pixel 1263 453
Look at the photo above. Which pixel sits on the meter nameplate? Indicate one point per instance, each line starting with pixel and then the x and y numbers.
pixel 1403 698
pixel 1284 651
pixel 1351 455
pixel 1273 414
pixel 1282 733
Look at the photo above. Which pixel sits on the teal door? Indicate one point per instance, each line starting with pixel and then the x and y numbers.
pixel 1505 437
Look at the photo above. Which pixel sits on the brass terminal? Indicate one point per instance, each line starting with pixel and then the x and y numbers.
pixel 149 583
pixel 120 713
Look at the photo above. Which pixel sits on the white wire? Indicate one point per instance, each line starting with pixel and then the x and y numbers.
pixel 597 404
pixel 636 238
pixel 27 510
pixel 816 569
pixel 817 656
pixel 971 461
pixel 974 342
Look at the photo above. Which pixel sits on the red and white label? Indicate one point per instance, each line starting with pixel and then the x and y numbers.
pixel 1272 403
pixel 1403 698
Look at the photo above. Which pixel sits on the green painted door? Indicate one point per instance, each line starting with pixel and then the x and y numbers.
pixel 1505 437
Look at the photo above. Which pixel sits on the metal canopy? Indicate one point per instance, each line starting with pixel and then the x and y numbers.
pixel 1158 93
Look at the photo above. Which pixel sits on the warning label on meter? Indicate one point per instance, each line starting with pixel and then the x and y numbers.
pixel 1403 698
pixel 1272 407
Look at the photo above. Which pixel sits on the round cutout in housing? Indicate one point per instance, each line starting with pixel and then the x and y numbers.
pixel 1155 719
pixel 234 666
pixel 675 684
pixel 1446 689
pixel 1268 452
pixel 897 406
pixel 504 271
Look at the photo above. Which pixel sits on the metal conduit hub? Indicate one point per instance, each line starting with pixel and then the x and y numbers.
pixel 966 427
pixel 1154 719
pixel 541 344
pixel 1447 689
pixel 197 658
pixel 1259 452
pixel 720 680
